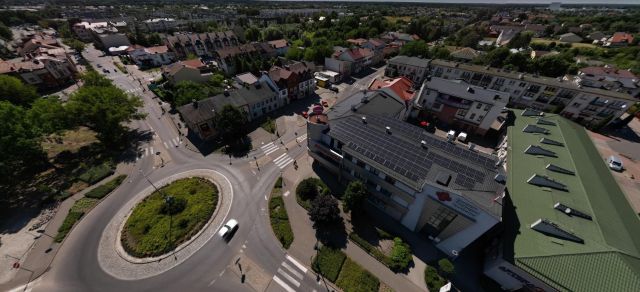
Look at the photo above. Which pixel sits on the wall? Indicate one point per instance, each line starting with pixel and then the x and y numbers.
pixel 512 278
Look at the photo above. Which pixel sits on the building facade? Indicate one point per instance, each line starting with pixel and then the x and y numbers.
pixel 151 57
pixel 413 68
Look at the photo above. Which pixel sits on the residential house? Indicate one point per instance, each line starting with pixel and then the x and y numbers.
pixel 560 233
pixel 588 106
pixel 228 60
pixel 159 24
pixel 537 29
pixel 189 70
pixel 254 100
pixel 281 46
pixel 377 46
pixel 399 38
pixel 349 61
pixel 465 54
pixel 471 108
pixel 570 38
pixel 619 39
pixel 538 54
pixel 507 34
pixel 104 34
pixel 293 81
pixel 400 88
pixel 596 36
pixel 357 42
pixel 150 57
pixel 610 78
pixel 414 68
pixel 245 79
pixel 326 78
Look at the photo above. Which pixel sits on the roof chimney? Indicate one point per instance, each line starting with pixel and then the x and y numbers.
pixel 470 90
pixel 364 120
pixel 388 130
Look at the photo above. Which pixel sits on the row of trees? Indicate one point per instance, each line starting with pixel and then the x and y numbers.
pixel 27 119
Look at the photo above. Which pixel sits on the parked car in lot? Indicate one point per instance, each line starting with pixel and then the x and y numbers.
pixel 105 70
pixel 228 229
pixel 99 66
pixel 615 163
pixel 334 88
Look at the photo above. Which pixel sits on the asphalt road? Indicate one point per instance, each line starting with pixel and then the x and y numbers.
pixel 76 267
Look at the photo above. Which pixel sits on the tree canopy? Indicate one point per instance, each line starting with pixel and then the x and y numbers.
pixel 13 90
pixel 324 210
pixel 187 91
pixel 354 196
pixel 232 123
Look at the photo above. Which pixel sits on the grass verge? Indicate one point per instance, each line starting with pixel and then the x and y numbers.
pixel 120 67
pixel 102 190
pixel 97 173
pixel 269 125
pixel 328 262
pixel 279 217
pixel 433 279
pixel 79 208
pixel 354 278
pixel 156 227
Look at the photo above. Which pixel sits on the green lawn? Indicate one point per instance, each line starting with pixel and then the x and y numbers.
pixel 328 262
pixel 269 125
pixel 354 278
pixel 79 208
pixel 97 173
pixel 102 190
pixel 279 218
pixel 147 231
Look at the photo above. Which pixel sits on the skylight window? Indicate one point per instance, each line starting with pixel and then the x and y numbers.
pixel 545 181
pixel 559 169
pixel 537 150
pixel 551 142
pixel 571 211
pixel 535 129
pixel 549 228
pixel 542 121
pixel 532 113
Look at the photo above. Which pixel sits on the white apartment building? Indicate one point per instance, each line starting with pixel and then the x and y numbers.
pixel 468 107
pixel 413 68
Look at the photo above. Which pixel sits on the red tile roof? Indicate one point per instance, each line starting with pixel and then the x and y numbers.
pixel 401 86
pixel 195 63
pixel 622 37
pixel 158 50
pixel 606 71
pixel 279 43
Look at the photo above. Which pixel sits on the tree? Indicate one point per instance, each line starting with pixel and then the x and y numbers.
pixel 20 144
pixel 446 267
pixel 5 32
pixel 74 44
pixel 521 40
pixel 400 255
pixel 496 57
pixel 252 34
pixel 271 34
pixel 48 115
pixel 307 189
pixel 354 196
pixel 232 123
pixel 93 78
pixel 104 110
pixel 16 92
pixel 187 91
pixel 294 53
pixel 324 210
pixel 552 66
pixel 216 80
pixel 440 52
pixel 415 48
pixel 518 62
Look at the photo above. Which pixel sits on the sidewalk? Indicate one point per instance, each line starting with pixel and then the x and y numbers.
pixel 302 246
pixel 37 260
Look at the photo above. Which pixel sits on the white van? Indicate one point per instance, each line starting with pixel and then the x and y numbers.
pixel 614 163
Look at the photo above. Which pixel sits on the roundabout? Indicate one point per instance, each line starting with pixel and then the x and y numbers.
pixel 157 255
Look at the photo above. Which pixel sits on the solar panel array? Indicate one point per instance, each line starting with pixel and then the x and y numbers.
pixel 405 158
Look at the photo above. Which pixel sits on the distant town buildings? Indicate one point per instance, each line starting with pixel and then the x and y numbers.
pixel 150 57
pixel 189 70
pixel 414 68
pixel 104 34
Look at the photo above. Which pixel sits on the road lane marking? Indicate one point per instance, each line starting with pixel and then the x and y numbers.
pixel 284 162
pixel 146 151
pixel 165 145
pixel 299 265
pixel 286 193
pixel 292 270
pixel 152 150
pixel 288 277
pixel 283 284
pixel 279 157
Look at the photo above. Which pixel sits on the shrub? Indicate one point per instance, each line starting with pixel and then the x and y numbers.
pixel 67 224
pixel 280 221
pixel 433 280
pixel 102 190
pixel 353 278
pixel 354 196
pixel 173 205
pixel 383 234
pixel 369 248
pixel 446 266
pixel 328 262
pixel 97 173
pixel 307 189
pixel 400 255
pixel 278 183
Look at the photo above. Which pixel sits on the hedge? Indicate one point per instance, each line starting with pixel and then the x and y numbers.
pixel 102 190
pixel 97 173
pixel 68 222
pixel 354 278
pixel 280 221
pixel 328 262
pixel 433 279
pixel 370 249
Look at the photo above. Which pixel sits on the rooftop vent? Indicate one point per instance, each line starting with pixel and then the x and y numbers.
pixel 559 169
pixel 535 129
pixel 501 178
pixel 551 142
pixel 364 120
pixel 424 144
pixel 545 181
pixel 571 212
pixel 470 90
pixel 496 97
pixel 537 150
pixel 472 146
pixel 529 112
pixel 549 228
pixel 364 98
pixel 542 121
pixel 353 108
pixel 444 179
pixel 226 92
pixel 388 129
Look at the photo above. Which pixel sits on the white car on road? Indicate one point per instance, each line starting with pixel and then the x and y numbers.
pixel 228 228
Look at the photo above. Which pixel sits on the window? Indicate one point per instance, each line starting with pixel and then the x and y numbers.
pixel 373 170
pixel 575 104
pixel 440 220
pixel 472 116
pixel 360 163
pixel 478 106
pixel 480 117
pixel 512 82
pixel 385 192
pixel 461 113
pixel 522 84
pixel 389 179
pixel 487 107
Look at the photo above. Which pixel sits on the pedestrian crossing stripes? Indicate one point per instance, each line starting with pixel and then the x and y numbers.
pixel 144 153
pixel 289 274
pixel 269 148
pixel 175 142
pixel 283 160
pixel 301 138
pixel 133 90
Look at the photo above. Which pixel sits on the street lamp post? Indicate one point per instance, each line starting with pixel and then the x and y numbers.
pixel 168 199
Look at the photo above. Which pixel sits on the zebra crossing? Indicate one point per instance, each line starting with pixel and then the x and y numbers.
pixel 301 138
pixel 290 273
pixel 283 160
pixel 269 148
pixel 132 90
pixel 175 142
pixel 144 153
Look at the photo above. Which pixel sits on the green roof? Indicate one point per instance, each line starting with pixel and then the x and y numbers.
pixel 609 257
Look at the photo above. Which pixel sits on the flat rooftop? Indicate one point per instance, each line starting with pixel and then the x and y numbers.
pixel 402 155
pixel 588 239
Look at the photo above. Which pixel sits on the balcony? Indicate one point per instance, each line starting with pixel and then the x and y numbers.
pixel 453 101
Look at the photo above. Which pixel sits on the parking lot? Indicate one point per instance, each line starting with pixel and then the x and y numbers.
pixel 624 143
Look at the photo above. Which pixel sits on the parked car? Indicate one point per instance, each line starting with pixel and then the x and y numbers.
pixel 99 66
pixel 334 88
pixel 615 163
pixel 228 229
pixel 105 70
